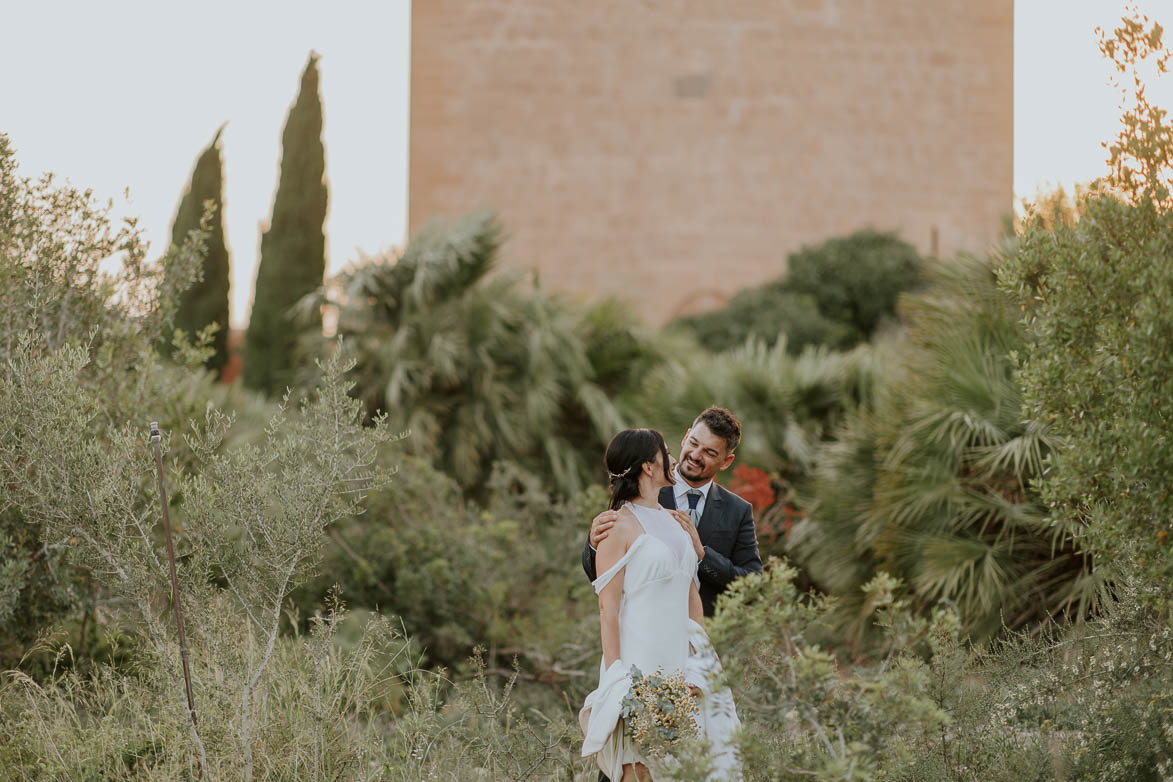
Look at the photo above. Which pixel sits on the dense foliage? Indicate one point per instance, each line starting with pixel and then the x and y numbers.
pixel 835 294
pixel 55 297
pixel 931 479
pixel 787 405
pixel 1097 297
pixel 456 575
pixel 293 249
pixel 482 369
pixel 972 481
pixel 205 302
pixel 79 512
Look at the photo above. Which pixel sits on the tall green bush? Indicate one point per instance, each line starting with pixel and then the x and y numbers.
pixel 57 294
pixel 249 514
pixel 250 519
pixel 1096 295
pixel 206 301
pixel 767 312
pixel 293 249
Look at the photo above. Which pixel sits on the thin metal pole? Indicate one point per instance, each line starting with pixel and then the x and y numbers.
pixel 155 438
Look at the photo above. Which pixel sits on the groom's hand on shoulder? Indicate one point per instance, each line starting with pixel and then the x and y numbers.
pixel 685 522
pixel 601 526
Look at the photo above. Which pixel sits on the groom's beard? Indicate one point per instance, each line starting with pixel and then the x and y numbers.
pixel 691 472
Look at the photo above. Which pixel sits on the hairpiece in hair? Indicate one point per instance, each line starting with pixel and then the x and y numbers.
pixel 615 477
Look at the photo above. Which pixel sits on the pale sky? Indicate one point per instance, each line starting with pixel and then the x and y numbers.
pixel 121 94
pixel 1064 106
pixel 124 94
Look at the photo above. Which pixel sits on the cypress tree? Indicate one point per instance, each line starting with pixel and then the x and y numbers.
pixel 207 300
pixel 293 250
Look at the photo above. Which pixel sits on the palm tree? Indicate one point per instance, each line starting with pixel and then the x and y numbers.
pixel 483 368
pixel 932 479
pixel 787 403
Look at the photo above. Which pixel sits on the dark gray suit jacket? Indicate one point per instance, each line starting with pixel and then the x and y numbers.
pixel 727 532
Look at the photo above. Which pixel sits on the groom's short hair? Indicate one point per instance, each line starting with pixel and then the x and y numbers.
pixel 722 423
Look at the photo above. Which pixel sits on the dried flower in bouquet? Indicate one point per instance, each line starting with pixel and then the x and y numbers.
pixel 659 711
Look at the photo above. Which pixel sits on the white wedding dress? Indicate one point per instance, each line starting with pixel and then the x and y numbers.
pixel 656 633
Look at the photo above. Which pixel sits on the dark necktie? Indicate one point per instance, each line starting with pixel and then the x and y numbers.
pixel 694 497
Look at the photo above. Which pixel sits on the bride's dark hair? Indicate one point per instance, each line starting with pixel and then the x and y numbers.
pixel 627 452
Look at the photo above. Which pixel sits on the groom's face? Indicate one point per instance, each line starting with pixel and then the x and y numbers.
pixel 702 454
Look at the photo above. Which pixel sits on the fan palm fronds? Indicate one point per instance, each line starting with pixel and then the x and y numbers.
pixel 932 479
pixel 483 368
pixel 787 404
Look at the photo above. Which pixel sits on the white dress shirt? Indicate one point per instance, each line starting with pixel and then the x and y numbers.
pixel 680 490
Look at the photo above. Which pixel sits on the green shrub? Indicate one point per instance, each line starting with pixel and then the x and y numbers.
pixel 932 481
pixel 1097 298
pixel 835 294
pixel 856 280
pixel 457 576
pixel 803 714
pixel 766 313
pixel 485 369
pixel 57 297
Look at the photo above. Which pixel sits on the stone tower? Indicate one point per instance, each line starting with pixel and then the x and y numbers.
pixel 676 150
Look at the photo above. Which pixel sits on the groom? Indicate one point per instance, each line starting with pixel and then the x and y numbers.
pixel 721 521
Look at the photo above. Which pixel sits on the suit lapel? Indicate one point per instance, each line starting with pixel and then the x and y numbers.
pixel 668 497
pixel 712 510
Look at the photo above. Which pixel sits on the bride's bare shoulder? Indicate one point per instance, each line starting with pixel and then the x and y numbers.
pixel 627 523
pixel 625 531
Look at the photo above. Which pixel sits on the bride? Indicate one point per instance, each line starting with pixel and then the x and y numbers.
pixel 650 613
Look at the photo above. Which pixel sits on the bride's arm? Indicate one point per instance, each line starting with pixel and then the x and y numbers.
pixel 696 612
pixel 696 609
pixel 611 549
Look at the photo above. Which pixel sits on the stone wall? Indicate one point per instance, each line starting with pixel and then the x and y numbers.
pixel 674 151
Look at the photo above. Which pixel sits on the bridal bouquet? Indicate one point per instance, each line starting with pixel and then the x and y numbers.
pixel 659 711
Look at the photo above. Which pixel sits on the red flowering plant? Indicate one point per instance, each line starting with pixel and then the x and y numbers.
pixel 774 516
pixel 753 486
